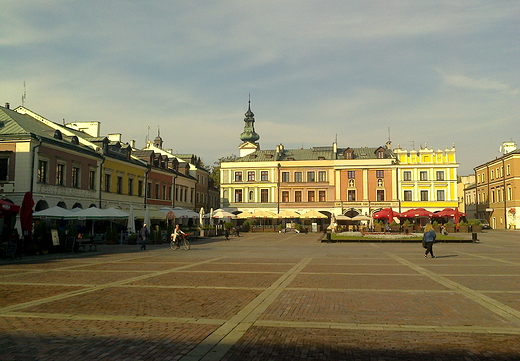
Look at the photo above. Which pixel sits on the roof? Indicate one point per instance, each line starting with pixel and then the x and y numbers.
pixel 14 125
pixel 315 153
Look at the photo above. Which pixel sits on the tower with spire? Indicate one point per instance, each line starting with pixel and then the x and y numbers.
pixel 158 142
pixel 249 137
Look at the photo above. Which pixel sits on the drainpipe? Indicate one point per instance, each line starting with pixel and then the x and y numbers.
pixel 278 188
pixel 504 193
pixel 33 159
pixel 149 168
pixel 173 190
pixel 101 181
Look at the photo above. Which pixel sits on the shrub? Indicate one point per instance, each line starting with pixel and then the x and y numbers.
pixel 228 225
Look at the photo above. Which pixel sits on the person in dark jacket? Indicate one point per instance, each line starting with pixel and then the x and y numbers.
pixel 428 239
pixel 144 233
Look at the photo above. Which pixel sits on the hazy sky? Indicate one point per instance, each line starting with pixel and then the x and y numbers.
pixel 435 72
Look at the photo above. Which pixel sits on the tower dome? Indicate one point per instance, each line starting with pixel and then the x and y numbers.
pixel 249 134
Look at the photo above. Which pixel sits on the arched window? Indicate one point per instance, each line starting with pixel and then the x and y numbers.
pixel 351 183
pixel 379 182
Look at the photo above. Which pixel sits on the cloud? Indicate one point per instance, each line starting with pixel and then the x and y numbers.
pixel 483 84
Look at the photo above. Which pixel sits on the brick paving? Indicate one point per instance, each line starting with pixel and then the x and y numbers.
pixel 266 297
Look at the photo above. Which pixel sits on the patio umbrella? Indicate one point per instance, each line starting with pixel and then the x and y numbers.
pixel 54 213
pixel 449 212
pixel 220 213
pixel 386 213
pixel 26 218
pixel 147 217
pixel 288 214
pixel 262 214
pixel 417 212
pixel 201 216
pixel 131 220
pixel 313 214
pixel 8 208
pixel 245 215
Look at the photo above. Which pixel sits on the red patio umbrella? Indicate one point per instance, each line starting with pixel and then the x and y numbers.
pixel 386 213
pixel 449 212
pixel 26 218
pixel 417 212
pixel 8 208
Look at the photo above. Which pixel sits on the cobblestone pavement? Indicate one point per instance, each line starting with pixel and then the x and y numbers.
pixel 266 297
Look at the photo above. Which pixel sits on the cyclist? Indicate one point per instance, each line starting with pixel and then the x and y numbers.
pixel 177 235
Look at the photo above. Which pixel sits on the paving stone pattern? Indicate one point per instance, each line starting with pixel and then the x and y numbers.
pixel 266 297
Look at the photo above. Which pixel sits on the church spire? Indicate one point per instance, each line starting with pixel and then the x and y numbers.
pixel 158 142
pixel 249 134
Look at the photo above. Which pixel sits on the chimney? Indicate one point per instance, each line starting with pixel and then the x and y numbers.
pixel 132 143
pixel 7 105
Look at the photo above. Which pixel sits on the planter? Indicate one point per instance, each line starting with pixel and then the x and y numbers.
pixel 437 229
pixel 476 229
pixel 450 229
pixel 463 229
pixel 407 229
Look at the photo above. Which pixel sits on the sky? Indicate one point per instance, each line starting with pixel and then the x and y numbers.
pixel 422 73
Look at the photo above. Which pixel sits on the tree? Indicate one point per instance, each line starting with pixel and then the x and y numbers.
pixel 215 169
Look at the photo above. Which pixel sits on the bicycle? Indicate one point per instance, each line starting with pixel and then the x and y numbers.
pixel 182 242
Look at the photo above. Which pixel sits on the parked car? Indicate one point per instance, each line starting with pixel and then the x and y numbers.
pixel 485 224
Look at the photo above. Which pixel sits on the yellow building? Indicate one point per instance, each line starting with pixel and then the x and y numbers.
pixel 427 178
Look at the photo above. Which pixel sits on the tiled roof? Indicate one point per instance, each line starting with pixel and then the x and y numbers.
pixel 14 125
pixel 316 153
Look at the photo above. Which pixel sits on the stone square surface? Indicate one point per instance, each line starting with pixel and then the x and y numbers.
pixel 266 296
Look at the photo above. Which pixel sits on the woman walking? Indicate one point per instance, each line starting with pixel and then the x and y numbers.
pixel 428 239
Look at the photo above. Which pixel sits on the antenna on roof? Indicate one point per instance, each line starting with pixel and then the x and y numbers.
pixel 24 95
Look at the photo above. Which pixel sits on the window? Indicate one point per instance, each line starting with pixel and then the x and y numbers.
pixel 163 192
pixel 298 196
pixel 157 195
pixel 311 176
pixel 408 195
pixel 238 195
pixel 407 175
pixel 310 196
pixel 379 182
pixel 42 171
pixel 264 195
pixel 509 193
pixel 60 174
pixel 380 154
pixel 140 188
pixel 351 174
pixel 285 176
pixel 75 177
pixel 351 183
pixel 351 195
pixel 285 196
pixel 380 195
pixel 321 196
pixel 251 196
pixel 298 177
pixel 149 190
pixel 380 173
pixel 251 176
pixel 119 187
pixel 130 186
pixel 238 176
pixel 264 176
pixel 508 169
pixel 107 183
pixel 423 175
pixel 424 195
pixel 440 195
pixel 322 176
pixel 440 175
pixel 4 169
pixel 92 179
pixel 492 176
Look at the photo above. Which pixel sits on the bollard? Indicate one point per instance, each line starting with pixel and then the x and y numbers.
pixel 474 237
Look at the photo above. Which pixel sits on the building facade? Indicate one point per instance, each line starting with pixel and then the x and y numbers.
pixel 336 180
pixel 497 184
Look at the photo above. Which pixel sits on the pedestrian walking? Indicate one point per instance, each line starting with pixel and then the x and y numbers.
pixel 226 234
pixel 144 233
pixel 428 240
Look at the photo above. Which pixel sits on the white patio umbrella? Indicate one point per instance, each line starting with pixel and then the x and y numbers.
pixel 201 216
pixel 131 220
pixel 147 217
pixel 220 213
